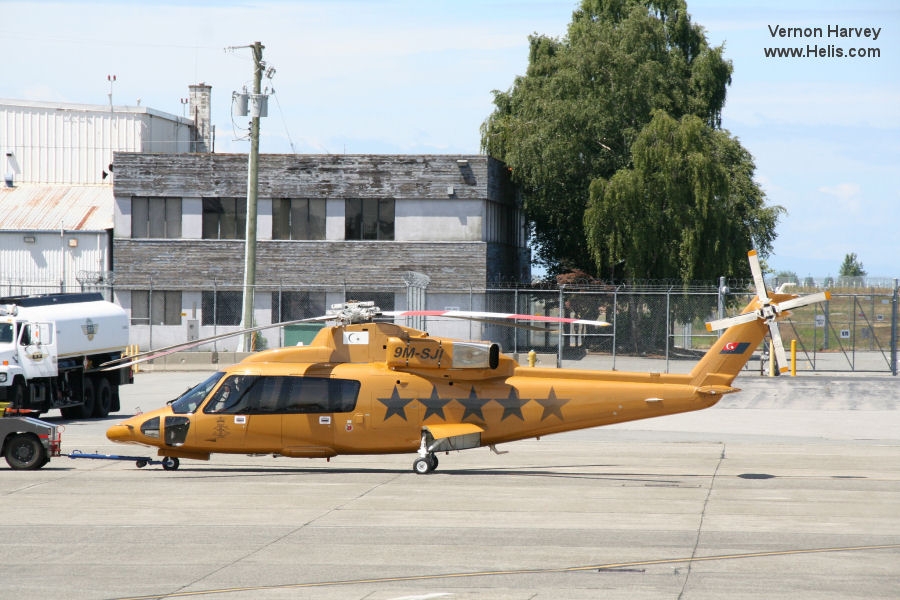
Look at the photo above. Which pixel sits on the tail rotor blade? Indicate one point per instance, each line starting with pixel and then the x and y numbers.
pixel 778 345
pixel 758 280
pixel 719 324
pixel 804 301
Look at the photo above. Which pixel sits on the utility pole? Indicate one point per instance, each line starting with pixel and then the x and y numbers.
pixel 252 183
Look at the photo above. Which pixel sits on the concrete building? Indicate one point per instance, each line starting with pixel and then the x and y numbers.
pixel 329 228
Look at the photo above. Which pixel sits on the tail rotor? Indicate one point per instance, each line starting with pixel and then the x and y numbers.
pixel 769 310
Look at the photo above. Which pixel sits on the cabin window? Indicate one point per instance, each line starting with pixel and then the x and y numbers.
pixel 369 219
pixel 298 219
pixel 6 333
pixel 155 217
pixel 224 218
pixel 276 394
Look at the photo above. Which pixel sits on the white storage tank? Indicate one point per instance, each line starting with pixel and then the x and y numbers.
pixel 85 324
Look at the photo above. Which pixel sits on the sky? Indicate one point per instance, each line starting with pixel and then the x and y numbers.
pixel 416 77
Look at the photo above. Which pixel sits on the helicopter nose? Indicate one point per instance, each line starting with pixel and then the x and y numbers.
pixel 120 433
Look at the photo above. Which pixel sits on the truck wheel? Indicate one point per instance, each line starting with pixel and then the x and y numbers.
pixel 103 400
pixel 88 399
pixel 25 452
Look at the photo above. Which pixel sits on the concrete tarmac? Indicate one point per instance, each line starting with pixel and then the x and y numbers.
pixel 790 489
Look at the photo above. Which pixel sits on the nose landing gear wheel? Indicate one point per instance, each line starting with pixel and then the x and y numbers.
pixel 170 463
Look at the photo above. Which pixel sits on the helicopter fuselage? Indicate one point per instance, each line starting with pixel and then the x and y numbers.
pixel 377 388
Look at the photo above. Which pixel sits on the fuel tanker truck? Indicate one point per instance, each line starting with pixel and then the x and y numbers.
pixel 50 346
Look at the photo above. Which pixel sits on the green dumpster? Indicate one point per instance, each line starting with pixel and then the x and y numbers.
pixel 301 334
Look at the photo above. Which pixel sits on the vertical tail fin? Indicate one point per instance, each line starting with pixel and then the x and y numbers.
pixel 728 355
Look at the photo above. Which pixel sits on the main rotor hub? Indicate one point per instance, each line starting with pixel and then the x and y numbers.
pixel 347 313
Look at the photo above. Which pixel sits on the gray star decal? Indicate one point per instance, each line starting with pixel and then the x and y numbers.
pixel 434 405
pixel 512 405
pixel 473 405
pixel 395 405
pixel 552 405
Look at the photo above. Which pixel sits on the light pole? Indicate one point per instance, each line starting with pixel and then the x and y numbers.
pixel 252 184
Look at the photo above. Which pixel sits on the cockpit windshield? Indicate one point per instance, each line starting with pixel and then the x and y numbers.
pixel 191 399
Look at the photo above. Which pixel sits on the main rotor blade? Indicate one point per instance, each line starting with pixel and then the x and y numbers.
pixel 127 361
pixel 758 282
pixel 484 316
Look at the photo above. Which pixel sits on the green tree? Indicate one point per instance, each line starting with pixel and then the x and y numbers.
pixel 687 209
pixel 584 100
pixel 852 271
pixel 851 267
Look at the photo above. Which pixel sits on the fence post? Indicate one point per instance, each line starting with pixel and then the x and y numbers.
pixel 559 347
pixel 515 331
pixel 668 324
pixel 894 315
pixel 615 325
pixel 150 313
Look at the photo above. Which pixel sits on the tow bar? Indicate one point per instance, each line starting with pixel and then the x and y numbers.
pixel 168 463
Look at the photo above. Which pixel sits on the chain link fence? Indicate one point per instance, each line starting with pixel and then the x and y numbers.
pixel 857 331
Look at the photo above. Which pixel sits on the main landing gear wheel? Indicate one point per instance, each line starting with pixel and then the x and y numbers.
pixel 170 463
pixel 425 464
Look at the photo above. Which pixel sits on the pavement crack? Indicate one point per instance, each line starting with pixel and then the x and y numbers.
pixel 712 483
pixel 284 536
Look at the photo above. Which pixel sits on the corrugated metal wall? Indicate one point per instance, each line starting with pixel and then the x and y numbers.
pixel 43 262
pixel 60 145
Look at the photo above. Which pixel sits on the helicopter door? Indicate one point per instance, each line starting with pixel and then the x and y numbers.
pixel 261 418
pixel 243 415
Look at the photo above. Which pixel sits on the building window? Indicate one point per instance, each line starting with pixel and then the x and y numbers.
pixel 222 308
pixel 155 307
pixel 369 219
pixel 502 223
pixel 291 306
pixel 224 218
pixel 298 219
pixel 155 217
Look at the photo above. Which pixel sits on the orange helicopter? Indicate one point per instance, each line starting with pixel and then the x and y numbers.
pixel 369 387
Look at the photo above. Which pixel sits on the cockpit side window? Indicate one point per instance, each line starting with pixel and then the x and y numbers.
pixel 275 394
pixel 233 397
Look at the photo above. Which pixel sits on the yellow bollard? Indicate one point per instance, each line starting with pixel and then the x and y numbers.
pixel 793 358
pixel 532 358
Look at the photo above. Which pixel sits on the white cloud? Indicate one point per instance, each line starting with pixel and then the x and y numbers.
pixel 848 195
